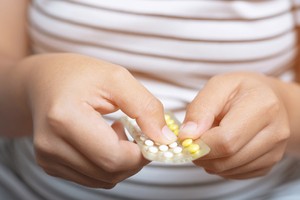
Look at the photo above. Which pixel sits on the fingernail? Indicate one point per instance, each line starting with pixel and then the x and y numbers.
pixel 189 127
pixel 168 134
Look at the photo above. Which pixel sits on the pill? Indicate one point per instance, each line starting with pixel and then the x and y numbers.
pixel 173 145
pixel 149 143
pixel 187 142
pixel 168 154
pixel 173 127
pixel 153 149
pixel 142 138
pixel 167 117
pixel 193 148
pixel 176 132
pixel 163 147
pixel 170 121
pixel 177 150
pixel 180 151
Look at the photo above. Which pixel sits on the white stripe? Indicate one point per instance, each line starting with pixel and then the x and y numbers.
pixel 204 8
pixel 187 50
pixel 159 65
pixel 143 24
pixel 143 48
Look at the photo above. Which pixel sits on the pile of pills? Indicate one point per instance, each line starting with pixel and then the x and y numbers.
pixel 176 152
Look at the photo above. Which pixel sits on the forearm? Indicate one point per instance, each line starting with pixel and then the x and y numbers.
pixel 15 118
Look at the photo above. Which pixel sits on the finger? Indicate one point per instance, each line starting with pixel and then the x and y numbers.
pixel 250 152
pixel 89 133
pixel 67 173
pixel 206 106
pixel 138 103
pixel 65 154
pixel 265 161
pixel 239 125
pixel 119 129
pixel 248 175
pixel 225 167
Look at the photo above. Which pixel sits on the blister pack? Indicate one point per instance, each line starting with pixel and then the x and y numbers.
pixel 176 152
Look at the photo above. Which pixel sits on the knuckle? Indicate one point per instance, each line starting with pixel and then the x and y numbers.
pixel 218 168
pixel 109 168
pixel 228 149
pixel 217 79
pixel 43 147
pixel 227 146
pixel 152 105
pixel 273 106
pixel 56 117
pixel 196 106
pixel 119 73
pixel 111 165
pixel 284 133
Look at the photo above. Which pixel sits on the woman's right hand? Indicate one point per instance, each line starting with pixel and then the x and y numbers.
pixel 67 96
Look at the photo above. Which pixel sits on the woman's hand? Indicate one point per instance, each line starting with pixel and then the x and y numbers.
pixel 67 95
pixel 242 117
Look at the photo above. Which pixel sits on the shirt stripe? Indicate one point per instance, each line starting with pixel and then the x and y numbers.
pixel 173 48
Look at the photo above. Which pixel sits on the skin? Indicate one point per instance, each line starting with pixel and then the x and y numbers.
pixel 61 98
pixel 249 121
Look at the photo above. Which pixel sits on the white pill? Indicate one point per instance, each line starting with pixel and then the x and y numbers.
pixel 177 150
pixel 153 149
pixel 163 147
pixel 142 138
pixel 173 145
pixel 168 154
pixel 149 143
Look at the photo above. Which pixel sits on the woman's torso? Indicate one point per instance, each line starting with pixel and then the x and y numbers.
pixel 173 47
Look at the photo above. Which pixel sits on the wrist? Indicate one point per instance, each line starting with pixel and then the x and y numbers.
pixel 289 93
pixel 15 116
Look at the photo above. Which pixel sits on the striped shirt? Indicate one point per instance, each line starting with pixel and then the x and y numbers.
pixel 172 47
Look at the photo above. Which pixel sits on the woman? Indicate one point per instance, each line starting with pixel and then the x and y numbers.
pixel 208 54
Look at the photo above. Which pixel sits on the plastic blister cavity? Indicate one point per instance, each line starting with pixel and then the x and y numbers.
pixel 176 152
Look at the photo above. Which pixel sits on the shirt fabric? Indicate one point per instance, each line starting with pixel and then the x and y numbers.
pixel 172 47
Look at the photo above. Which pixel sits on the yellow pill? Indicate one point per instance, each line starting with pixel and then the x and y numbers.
pixel 167 117
pixel 174 127
pixel 176 132
pixel 170 121
pixel 193 148
pixel 187 142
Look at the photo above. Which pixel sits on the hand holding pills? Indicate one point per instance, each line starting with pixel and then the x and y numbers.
pixel 68 94
pixel 243 119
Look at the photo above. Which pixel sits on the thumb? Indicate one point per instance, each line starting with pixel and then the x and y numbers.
pixel 138 103
pixel 209 104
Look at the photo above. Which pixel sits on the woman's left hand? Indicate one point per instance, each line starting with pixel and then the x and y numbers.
pixel 243 119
